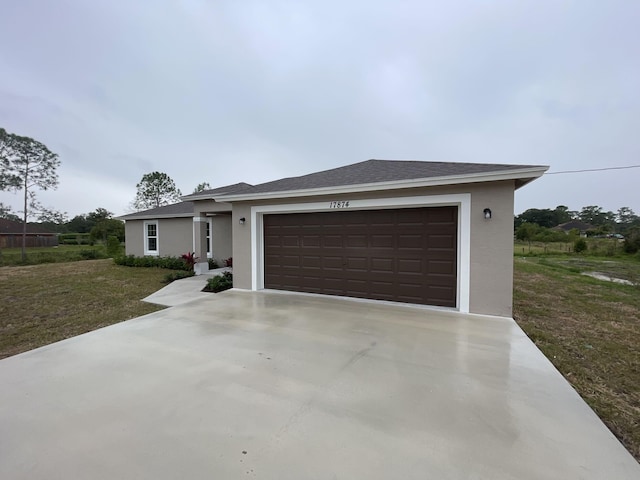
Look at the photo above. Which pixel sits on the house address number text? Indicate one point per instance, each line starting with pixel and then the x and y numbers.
pixel 339 204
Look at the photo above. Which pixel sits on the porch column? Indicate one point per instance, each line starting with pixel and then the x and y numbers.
pixel 200 244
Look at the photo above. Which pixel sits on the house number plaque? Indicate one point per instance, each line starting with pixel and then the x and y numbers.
pixel 339 204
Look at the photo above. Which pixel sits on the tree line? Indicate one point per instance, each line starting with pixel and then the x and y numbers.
pixel 540 225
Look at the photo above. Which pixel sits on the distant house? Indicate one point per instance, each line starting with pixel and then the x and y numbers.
pixel 11 235
pixel 575 225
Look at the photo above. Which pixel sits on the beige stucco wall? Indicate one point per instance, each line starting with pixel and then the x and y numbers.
pixel 134 237
pixel 175 236
pixel 491 242
pixel 222 247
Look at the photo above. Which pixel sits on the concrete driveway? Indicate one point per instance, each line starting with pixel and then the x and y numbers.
pixel 285 386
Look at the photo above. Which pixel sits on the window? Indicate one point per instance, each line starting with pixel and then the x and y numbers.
pixel 209 239
pixel 151 238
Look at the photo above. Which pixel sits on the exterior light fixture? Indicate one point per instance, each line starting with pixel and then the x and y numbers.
pixel 242 220
pixel 487 213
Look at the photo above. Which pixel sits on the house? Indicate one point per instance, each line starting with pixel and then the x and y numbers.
pixel 432 233
pixel 168 231
pixel 582 227
pixel 11 235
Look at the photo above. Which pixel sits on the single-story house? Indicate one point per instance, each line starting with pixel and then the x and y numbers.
pixel 169 231
pixel 432 233
pixel 582 227
pixel 11 235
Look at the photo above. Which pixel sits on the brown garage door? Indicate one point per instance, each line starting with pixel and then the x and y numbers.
pixel 403 255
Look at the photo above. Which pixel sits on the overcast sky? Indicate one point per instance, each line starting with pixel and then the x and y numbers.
pixel 240 90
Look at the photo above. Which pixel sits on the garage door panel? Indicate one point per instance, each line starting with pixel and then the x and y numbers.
pixel 406 255
pixel 382 241
pixel 442 267
pixel 332 241
pixel 412 241
pixel 382 265
pixel 356 241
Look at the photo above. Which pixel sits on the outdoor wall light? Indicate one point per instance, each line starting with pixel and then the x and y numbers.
pixel 242 220
pixel 487 213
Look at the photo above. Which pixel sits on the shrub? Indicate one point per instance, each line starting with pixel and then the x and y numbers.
pixel 229 262
pixel 91 254
pixel 632 241
pixel 171 263
pixel 113 246
pixel 213 264
pixel 170 277
pixel 190 259
pixel 580 245
pixel 219 283
pixel 74 239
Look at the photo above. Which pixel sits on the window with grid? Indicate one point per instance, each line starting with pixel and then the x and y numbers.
pixel 151 238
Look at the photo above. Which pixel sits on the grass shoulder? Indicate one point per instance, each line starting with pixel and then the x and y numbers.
pixel 589 329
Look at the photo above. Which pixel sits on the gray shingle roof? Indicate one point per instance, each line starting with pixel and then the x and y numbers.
pixel 226 190
pixel 175 209
pixel 378 171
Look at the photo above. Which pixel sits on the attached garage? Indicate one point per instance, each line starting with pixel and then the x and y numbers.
pixel 403 255
pixel 430 233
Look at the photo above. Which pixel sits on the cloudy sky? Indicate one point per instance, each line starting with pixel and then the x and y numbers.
pixel 240 90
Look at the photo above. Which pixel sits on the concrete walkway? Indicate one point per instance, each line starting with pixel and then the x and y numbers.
pixel 184 290
pixel 283 386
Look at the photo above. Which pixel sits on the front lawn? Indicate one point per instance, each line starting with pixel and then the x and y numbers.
pixel 42 304
pixel 589 329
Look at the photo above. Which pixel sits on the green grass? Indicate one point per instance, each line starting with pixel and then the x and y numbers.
pixel 599 247
pixel 42 304
pixel 589 329
pixel 62 253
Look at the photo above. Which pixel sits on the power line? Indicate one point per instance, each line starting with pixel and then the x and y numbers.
pixel 593 170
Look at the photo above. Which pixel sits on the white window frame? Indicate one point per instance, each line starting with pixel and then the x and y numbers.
pixel 209 238
pixel 145 227
pixel 461 200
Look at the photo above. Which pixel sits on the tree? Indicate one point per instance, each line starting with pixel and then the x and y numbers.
pixel 627 219
pixel 542 217
pixel 526 232
pixel 98 215
pixel 108 227
pixel 79 224
pixel 26 164
pixel 6 213
pixel 202 187
pixel 155 190
pixel 53 220
pixel 562 214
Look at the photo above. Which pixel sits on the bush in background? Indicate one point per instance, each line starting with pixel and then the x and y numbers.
pixel 580 245
pixel 213 264
pixel 113 246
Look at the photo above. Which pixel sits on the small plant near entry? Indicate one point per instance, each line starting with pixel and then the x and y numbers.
pixel 213 264
pixel 229 262
pixel 177 275
pixel 190 259
pixel 580 245
pixel 219 283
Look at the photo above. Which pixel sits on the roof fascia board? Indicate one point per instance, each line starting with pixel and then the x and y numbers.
pixel 153 217
pixel 524 173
